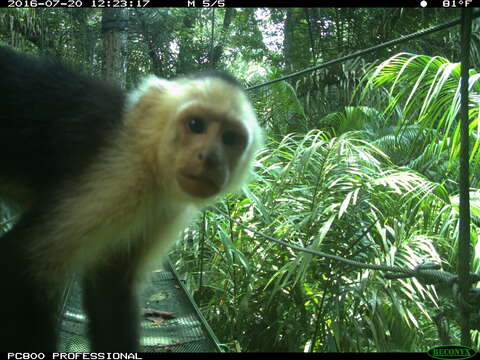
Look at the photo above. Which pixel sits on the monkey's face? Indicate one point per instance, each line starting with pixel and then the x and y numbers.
pixel 199 136
pixel 212 144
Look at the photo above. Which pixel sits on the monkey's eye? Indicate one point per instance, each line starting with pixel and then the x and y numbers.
pixel 196 125
pixel 229 138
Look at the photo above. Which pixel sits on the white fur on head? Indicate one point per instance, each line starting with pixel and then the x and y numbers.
pixel 147 83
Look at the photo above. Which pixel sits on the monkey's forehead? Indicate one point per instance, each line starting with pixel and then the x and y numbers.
pixel 222 75
pixel 210 86
pixel 207 88
pixel 212 90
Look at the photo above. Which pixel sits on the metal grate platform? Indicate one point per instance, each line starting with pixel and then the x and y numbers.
pixel 187 331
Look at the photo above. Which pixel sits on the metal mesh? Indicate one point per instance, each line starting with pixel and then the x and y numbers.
pixel 186 332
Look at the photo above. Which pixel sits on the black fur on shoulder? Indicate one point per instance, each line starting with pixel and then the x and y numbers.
pixel 53 120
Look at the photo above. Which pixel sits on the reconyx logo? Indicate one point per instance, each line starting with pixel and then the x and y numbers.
pixel 451 352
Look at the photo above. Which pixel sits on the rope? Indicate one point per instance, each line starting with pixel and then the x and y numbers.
pixel 321 253
pixel 426 273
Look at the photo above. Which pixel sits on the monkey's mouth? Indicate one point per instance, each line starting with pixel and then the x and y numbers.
pixel 199 185
pixel 202 179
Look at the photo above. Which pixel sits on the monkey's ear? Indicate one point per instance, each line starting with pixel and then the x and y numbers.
pixel 149 85
pixel 152 81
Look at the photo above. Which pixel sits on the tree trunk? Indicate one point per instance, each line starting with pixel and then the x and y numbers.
pixel 114 26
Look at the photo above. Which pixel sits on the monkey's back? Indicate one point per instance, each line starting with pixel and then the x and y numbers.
pixel 53 120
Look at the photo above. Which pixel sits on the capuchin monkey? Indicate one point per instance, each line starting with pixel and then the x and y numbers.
pixel 105 182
